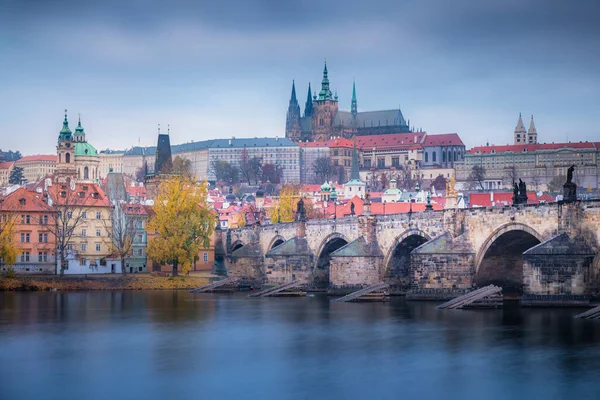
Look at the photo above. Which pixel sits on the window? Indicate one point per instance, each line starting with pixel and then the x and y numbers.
pixel 140 237
pixel 43 256
pixel 70 247
pixel 140 252
pixel 395 162
pixel 69 214
pixel 45 238
pixel 83 233
pixel 27 219
pixel 444 156
pixel 84 215
pixel 83 247
pixel 205 257
pixel 25 256
pixel 381 163
pixel 433 157
pixel 40 238
pixel 97 232
pixel 98 215
pixel 97 246
pixel 426 157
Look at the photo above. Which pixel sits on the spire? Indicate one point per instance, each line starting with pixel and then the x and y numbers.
pixel 79 129
pixel 354 172
pixel 293 99
pixel 325 93
pixel 308 107
pixel 520 127
pixel 293 128
pixel 65 129
pixel 532 130
pixel 354 107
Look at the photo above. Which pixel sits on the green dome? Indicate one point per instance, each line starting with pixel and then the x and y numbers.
pixel 325 187
pixel 85 149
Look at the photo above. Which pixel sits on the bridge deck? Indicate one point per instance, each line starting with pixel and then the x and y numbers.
pixel 594 313
pixel 356 296
pixel 213 285
pixel 470 298
pixel 280 288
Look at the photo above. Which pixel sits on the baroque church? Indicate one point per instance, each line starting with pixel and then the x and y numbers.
pixel 76 158
pixel 323 120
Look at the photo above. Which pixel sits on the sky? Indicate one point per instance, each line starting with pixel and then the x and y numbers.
pixel 217 69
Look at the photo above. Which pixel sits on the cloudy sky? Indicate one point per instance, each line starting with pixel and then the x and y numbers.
pixel 214 69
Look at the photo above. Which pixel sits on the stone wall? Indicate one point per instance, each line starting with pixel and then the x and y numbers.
pixel 354 271
pixel 282 269
pixel 442 271
pixel 556 275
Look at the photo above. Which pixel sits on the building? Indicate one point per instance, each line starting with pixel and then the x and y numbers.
pixel 354 186
pixel 523 136
pixel 139 157
pixel 136 220
pixel 34 236
pixel 36 167
pixel 277 151
pixel 390 151
pixel 442 151
pixel 322 119
pixel 310 152
pixel 76 158
pixel 5 170
pixel 340 153
pixel 110 161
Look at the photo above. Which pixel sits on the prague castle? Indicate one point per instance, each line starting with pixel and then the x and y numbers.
pixel 323 120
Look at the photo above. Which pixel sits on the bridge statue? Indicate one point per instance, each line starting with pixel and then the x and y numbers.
pixel 515 193
pixel 301 211
pixel 570 188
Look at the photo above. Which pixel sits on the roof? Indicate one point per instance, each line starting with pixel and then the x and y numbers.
pixel 358 248
pixel 366 119
pixel 312 144
pixel 134 209
pixel 33 201
pixel 295 246
pixel 252 142
pixel 393 140
pixel 85 149
pixel 340 142
pixel 500 199
pixel 83 195
pixel 523 148
pixel 39 157
pixel 444 139
pixel 6 165
pixel 561 244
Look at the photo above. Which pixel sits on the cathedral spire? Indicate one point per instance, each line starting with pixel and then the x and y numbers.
pixel 293 97
pixel 308 107
pixel 532 130
pixel 520 132
pixel 325 93
pixel 293 128
pixel 354 107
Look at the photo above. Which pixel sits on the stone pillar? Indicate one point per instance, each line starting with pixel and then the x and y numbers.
pixel 301 229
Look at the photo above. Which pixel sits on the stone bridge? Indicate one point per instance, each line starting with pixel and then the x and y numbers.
pixel 542 249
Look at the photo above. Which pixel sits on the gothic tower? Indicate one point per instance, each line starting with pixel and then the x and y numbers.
pixel 308 107
pixel 520 132
pixel 532 133
pixel 293 128
pixel 163 162
pixel 65 151
pixel 325 108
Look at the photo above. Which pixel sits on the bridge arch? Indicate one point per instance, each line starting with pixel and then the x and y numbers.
pixel 236 245
pixel 276 241
pixel 397 259
pixel 330 244
pixel 500 258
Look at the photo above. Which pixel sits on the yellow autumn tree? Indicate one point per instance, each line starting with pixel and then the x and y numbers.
pixel 241 219
pixel 8 250
pixel 183 221
pixel 284 210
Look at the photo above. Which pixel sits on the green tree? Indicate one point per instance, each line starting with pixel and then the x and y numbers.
pixel 16 176
pixel 183 221
pixel 225 172
pixel 182 166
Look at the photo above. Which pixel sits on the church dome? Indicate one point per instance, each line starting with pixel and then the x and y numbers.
pixel 230 198
pixel 325 187
pixel 85 149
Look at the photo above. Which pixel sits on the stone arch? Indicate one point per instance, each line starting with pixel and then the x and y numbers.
pixel 499 260
pixel 330 244
pixel 276 241
pixel 404 244
pixel 322 247
pixel 236 245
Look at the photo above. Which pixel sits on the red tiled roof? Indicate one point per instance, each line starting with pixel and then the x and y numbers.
pixel 340 142
pixel 134 209
pixel 312 144
pixel 6 164
pixel 394 140
pixel 93 195
pixel 376 208
pixel 39 157
pixel 520 148
pixel 34 202
pixel 500 199
pixel 444 139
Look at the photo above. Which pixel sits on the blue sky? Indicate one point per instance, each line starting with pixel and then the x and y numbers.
pixel 221 69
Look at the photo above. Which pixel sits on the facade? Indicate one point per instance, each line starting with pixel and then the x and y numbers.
pixel 390 151
pixel 36 167
pixel 110 161
pixel 442 151
pixel 309 153
pixel 136 220
pixel 277 151
pixel 322 119
pixel 5 170
pixel 76 158
pixel 138 157
pixel 340 153
pixel 34 239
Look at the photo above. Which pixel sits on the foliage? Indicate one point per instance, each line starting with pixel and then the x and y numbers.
pixel 272 173
pixel 8 250
pixel 182 166
pixel 140 173
pixel 477 177
pixel 250 168
pixel 510 175
pixel 439 183
pixel 225 172
pixel 384 180
pixel 240 219
pixel 183 221
pixel 16 176
pixel 284 210
pixel 323 169
pixel 11 155
pixel 556 184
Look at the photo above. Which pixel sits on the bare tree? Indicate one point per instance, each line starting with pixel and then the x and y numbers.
pixel 322 167
pixel 245 165
pixel 477 176
pixel 123 228
pixel 510 175
pixel 255 168
pixel 225 172
pixel 70 215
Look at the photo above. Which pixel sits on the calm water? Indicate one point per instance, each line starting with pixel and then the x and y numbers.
pixel 172 345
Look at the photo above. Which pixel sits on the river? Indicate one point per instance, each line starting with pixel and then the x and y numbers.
pixel 173 345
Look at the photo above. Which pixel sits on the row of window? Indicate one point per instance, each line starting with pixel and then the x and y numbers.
pixel 42 256
pixel 84 232
pixel 446 156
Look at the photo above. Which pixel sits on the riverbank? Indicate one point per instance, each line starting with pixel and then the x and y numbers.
pixel 103 282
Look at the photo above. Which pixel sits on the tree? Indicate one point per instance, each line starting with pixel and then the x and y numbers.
pixel 510 175
pixel 245 165
pixel 182 166
pixel 556 184
pixel 439 183
pixel 16 176
pixel 123 233
pixel 384 180
pixel 405 179
pixel 477 177
pixel 255 168
pixel 284 210
pixel 183 221
pixel 323 169
pixel 241 219
pixel 67 219
pixel 272 173
pixel 225 172
pixel 140 173
pixel 8 250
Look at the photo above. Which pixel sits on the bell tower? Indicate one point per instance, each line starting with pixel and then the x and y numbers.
pixel 325 108
pixel 65 152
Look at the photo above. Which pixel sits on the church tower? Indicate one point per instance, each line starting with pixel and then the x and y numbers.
pixel 532 133
pixel 520 132
pixel 65 152
pixel 308 107
pixel 293 128
pixel 325 108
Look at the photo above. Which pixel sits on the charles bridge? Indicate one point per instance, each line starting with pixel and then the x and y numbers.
pixel 541 249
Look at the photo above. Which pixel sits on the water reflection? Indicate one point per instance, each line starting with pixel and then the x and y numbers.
pixel 96 345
